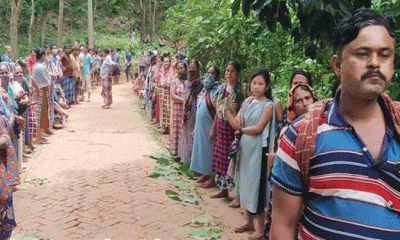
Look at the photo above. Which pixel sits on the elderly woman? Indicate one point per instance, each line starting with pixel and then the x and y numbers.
pixel 42 79
pixel 21 93
pixel 300 97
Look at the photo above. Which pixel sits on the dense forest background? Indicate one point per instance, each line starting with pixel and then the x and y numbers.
pixel 281 35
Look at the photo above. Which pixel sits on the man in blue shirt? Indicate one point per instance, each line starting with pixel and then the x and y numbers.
pixel 86 70
pixel 353 187
pixel 7 56
pixel 128 64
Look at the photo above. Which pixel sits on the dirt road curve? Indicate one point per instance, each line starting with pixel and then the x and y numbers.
pixel 91 182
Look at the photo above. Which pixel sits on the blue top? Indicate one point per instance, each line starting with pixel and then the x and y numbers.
pixel 351 196
pixel 106 66
pixel 6 58
pixel 86 61
pixel 115 58
pixel 128 57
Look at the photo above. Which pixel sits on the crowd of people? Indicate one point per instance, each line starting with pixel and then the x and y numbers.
pixel 240 138
pixel 33 107
pixel 224 130
pixel 325 169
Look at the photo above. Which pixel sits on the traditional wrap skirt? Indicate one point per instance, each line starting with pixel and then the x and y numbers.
pixel 224 136
pixel 165 107
pixel 51 104
pixel 33 117
pixel 68 88
pixel 106 93
pixel 42 103
pixel 157 104
pixel 177 118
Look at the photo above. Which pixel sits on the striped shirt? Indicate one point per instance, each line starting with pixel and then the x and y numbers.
pixel 351 196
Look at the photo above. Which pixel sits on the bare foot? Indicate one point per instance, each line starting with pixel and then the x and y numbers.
pixel 42 141
pixel 248 227
pixel 257 235
pixel 235 202
pixel 221 194
pixel 202 179
pixel 209 183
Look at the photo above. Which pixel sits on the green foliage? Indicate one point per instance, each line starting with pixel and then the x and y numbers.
pixel 317 18
pixel 203 229
pixel 201 220
pixel 185 169
pixel 204 233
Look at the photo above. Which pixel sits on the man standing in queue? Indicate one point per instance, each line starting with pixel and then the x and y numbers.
pixel 353 185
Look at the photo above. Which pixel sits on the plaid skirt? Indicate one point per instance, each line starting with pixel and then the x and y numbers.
pixel 177 118
pixel 165 107
pixel 106 93
pixel 68 88
pixel 224 136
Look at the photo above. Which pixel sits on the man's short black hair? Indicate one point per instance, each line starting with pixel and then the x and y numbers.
pixel 349 28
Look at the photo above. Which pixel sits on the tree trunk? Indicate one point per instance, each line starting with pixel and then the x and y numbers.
pixel 31 25
pixel 143 25
pixel 44 19
pixel 153 22
pixel 15 12
pixel 149 17
pixel 60 24
pixel 90 22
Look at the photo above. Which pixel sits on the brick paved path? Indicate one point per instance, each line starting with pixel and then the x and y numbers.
pixel 90 182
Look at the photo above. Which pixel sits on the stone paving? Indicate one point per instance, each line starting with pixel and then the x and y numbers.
pixel 91 182
pixel 98 184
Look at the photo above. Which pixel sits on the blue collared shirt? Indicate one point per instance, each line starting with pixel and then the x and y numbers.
pixel 350 196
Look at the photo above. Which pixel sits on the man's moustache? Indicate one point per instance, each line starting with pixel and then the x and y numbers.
pixel 372 73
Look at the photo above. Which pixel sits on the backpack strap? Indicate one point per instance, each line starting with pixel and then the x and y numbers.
pixel 305 143
pixel 393 108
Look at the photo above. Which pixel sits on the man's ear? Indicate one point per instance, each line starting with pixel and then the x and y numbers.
pixel 336 63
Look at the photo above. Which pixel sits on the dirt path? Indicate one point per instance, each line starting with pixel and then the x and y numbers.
pixel 91 182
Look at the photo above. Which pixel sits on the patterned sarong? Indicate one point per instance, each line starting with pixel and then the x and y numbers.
pixel 224 136
pixel 165 107
pixel 176 122
pixel 39 106
pixel 68 88
pixel 106 93
pixel 32 116
pixel 50 94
